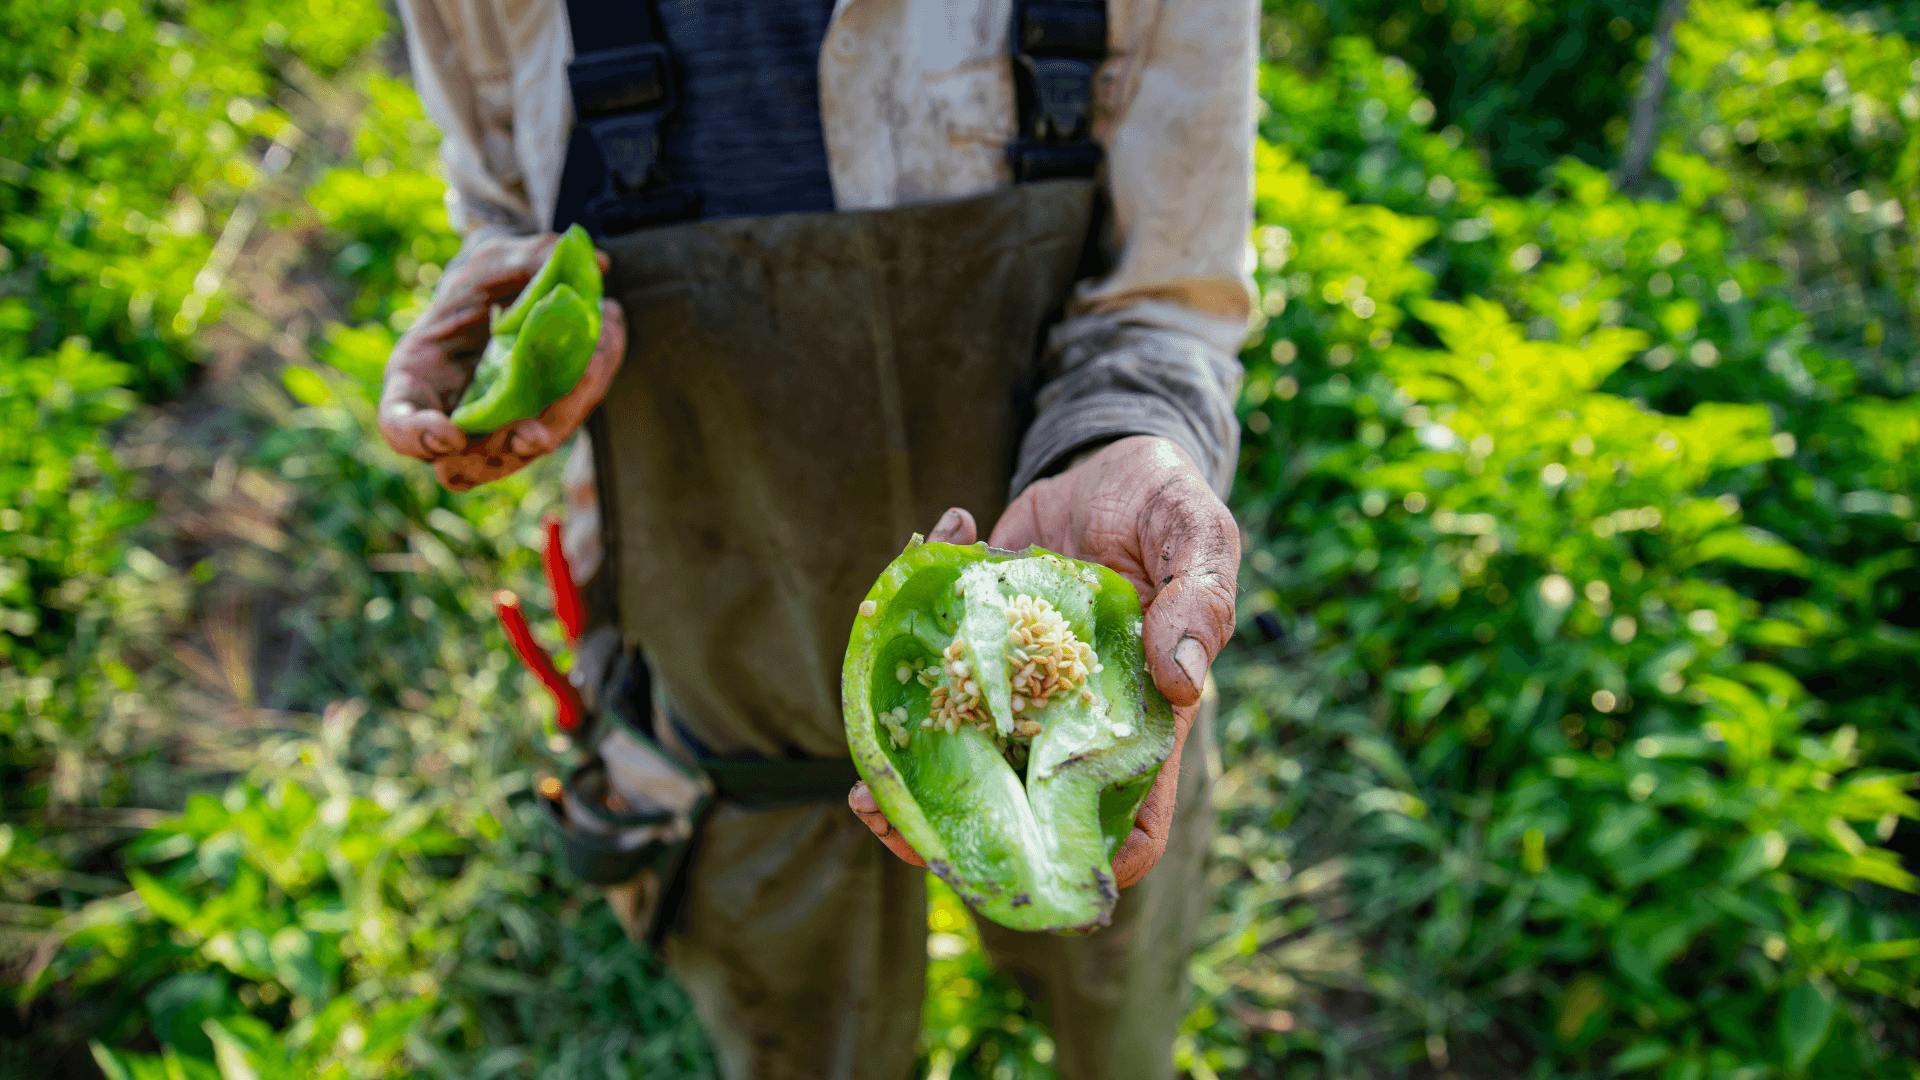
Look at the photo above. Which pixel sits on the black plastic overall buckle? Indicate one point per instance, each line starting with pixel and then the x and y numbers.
pixel 625 96
pixel 1057 49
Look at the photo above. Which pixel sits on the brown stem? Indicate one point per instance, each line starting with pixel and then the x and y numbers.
pixel 1645 131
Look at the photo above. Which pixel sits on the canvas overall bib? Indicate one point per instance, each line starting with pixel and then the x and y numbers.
pixel 801 393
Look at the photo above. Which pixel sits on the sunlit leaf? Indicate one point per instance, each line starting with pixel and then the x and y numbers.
pixel 162 899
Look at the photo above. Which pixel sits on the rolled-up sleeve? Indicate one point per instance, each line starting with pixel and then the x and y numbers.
pixel 493 78
pixel 1152 347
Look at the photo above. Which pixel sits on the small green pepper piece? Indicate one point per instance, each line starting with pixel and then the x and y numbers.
pixel 999 707
pixel 521 374
pixel 529 364
pixel 570 263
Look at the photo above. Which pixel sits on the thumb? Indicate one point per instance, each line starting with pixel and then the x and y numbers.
pixel 1190 618
pixel 955 527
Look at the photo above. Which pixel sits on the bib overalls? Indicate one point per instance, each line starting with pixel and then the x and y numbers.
pixel 803 390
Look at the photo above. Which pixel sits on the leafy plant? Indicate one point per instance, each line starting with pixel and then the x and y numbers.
pixel 1571 732
pixel 1560 765
pixel 132 136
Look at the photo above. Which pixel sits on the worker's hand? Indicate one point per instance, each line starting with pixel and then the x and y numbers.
pixel 434 360
pixel 1140 507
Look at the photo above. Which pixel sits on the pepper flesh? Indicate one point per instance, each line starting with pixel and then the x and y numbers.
pixel 571 262
pixel 541 345
pixel 1015 771
pixel 520 375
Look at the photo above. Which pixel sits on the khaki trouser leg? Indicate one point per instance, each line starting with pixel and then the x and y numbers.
pixel 805 946
pixel 1115 998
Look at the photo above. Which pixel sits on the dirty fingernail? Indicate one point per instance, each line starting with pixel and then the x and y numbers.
pixel 1191 657
pixel 438 443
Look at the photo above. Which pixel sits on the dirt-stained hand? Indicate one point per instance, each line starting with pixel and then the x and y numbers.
pixel 1140 507
pixel 434 360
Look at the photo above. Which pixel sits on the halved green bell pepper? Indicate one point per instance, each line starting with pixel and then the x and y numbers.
pixel 541 345
pixel 998 705
pixel 570 263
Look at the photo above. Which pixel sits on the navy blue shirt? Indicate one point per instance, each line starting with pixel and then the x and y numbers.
pixel 747 134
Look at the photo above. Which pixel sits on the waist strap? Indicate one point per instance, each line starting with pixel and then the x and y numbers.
pixel 770 781
pixel 756 782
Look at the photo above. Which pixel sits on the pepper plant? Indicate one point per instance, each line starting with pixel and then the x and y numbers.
pixel 1576 732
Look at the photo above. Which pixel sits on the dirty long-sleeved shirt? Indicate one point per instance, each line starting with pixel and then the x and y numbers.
pixel 917 104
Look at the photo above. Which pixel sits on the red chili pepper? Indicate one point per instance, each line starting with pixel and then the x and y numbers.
pixel 566 595
pixel 565 696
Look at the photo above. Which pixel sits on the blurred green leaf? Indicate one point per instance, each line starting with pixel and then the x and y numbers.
pixel 306 387
pixel 162 899
pixel 296 965
pixel 230 1055
pixel 119 1066
pixel 1806 1017
pixel 1750 547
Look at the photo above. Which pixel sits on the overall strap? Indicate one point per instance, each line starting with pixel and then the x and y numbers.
pixel 1057 48
pixel 626 88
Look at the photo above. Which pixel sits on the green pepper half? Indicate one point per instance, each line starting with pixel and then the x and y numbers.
pixel 999 707
pixel 541 345
pixel 521 374
pixel 571 262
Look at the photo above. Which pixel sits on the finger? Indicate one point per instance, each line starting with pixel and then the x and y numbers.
pixel 530 439
pixel 417 432
pixel 605 260
pixel 463 472
pixel 861 801
pixel 493 273
pixel 426 374
pixel 1039 516
pixel 453 473
pixel 954 527
pixel 609 352
pixel 1153 825
pixel 1190 547
pixel 483 461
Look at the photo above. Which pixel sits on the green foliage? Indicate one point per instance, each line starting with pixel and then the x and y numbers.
pixel 975 1024
pixel 318 933
pixel 131 132
pixel 1593 711
pixel 129 136
pixel 1532 82
pixel 1797 91
pixel 389 213
pixel 376 897
pixel 67 505
pixel 1814 125
pixel 1588 522
pixel 380 898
